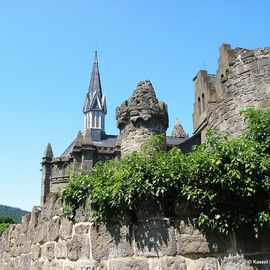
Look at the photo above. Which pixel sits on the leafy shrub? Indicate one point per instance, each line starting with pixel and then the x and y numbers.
pixel 228 180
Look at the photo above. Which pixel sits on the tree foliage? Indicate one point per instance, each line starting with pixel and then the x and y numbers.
pixel 5 221
pixel 228 180
pixel 13 212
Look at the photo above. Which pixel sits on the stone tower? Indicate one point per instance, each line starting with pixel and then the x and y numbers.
pixel 95 105
pixel 46 172
pixel 140 117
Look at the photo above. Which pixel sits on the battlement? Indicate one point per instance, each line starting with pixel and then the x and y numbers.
pixel 242 80
pixel 141 116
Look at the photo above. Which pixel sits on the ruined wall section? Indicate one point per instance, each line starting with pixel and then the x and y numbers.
pixel 205 94
pixel 246 82
pixel 140 117
pixel 47 240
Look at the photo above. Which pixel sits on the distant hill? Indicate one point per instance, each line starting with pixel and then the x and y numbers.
pixel 13 212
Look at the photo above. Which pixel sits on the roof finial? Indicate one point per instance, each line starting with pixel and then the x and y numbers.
pixel 96 58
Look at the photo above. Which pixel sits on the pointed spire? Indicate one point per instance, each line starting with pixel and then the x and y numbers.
pixel 95 84
pixel 178 131
pixel 48 153
pixel 78 141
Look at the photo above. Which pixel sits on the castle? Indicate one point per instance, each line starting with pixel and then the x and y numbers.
pixel 242 80
pixel 46 239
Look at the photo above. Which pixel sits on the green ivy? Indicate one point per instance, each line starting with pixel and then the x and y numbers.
pixel 227 180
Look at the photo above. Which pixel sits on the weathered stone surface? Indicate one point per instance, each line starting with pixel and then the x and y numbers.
pixel 110 241
pixel 234 263
pixel 56 265
pixel 65 229
pixel 25 222
pixel 78 247
pixel 25 262
pixel 127 264
pixel 155 264
pixel 49 250
pixel 53 207
pixel 34 216
pixel 202 264
pixel 68 265
pixel 82 228
pixel 140 117
pixel 36 252
pixel 86 265
pixel 38 265
pixel 61 250
pixel 154 239
pixel 53 229
pixel 174 263
pixel 189 239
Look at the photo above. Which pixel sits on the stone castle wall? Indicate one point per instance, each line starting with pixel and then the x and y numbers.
pixel 245 82
pixel 47 240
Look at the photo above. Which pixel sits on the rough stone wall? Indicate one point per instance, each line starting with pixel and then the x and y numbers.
pixel 245 82
pixel 47 240
pixel 205 93
pixel 140 117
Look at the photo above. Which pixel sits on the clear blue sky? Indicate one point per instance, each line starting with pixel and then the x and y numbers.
pixel 46 55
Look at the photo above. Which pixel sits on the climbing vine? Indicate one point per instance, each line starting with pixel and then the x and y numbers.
pixel 227 180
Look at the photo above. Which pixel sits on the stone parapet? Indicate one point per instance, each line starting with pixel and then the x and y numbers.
pixel 48 240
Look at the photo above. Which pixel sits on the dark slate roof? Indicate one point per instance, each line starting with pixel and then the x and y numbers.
pixel 110 141
pixel 172 141
pixel 106 141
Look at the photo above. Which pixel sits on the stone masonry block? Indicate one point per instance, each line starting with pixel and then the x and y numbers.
pixel 82 228
pixel 78 247
pixel 127 264
pixel 110 240
pixel 174 263
pixel 155 264
pixel 154 239
pixel 25 262
pixel 53 229
pixel 234 263
pixel 36 252
pixel 207 263
pixel 68 265
pixel 86 265
pixel 191 241
pixel 38 265
pixel 49 250
pixel 65 229
pixel 61 249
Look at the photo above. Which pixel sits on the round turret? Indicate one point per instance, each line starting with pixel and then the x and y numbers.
pixel 140 117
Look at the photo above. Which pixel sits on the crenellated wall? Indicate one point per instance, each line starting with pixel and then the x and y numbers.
pixel 246 82
pixel 242 80
pixel 47 240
